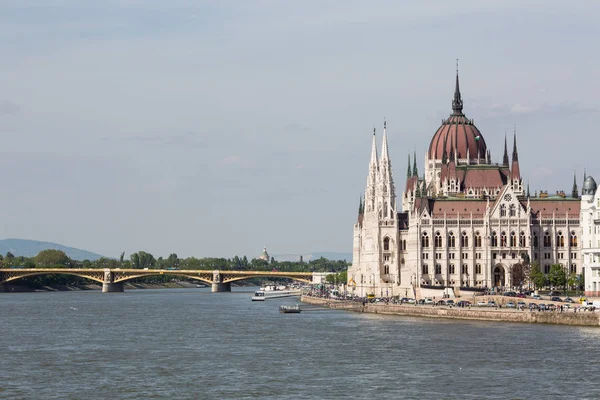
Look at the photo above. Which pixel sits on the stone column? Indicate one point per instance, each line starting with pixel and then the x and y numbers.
pixel 108 287
pixel 221 287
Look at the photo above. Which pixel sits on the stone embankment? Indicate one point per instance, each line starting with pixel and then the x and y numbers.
pixel 580 318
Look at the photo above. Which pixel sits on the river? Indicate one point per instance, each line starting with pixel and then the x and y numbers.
pixel 190 343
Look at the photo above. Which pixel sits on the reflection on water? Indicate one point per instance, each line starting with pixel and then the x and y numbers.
pixel 189 343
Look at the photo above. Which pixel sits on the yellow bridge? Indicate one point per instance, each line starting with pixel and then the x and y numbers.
pixel 112 279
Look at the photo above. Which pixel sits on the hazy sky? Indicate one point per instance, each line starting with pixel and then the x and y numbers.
pixel 215 128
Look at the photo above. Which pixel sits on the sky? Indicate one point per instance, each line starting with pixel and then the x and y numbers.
pixel 214 128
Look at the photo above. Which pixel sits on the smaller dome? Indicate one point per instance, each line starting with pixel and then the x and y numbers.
pixel 589 186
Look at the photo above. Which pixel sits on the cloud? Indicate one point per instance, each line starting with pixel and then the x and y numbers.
pixel 521 109
pixel 230 160
pixel 9 108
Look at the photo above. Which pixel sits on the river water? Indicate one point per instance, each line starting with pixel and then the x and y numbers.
pixel 190 343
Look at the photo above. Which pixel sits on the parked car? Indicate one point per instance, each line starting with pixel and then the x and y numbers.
pixel 510 294
pixel 555 298
pixel 521 304
pixel 463 303
pixel 569 300
pixel 491 303
pixel 510 304
pixel 542 307
pixel 411 301
pixel 450 302
pixel 428 300
pixel 551 307
pixel 440 303
pixel 521 295
pixel 482 304
pixel 536 297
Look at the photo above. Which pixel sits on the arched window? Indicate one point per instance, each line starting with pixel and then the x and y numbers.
pixel 513 239
pixel 560 239
pixel 512 210
pixel 503 210
pixel 403 244
pixel 386 269
pixel 547 241
pixel 451 269
pixel 438 239
pixel 424 240
pixel 522 241
pixel 503 239
pixel 451 240
pixel 386 244
pixel 464 240
pixel 425 269
pixel 494 239
pixel 535 240
pixel 477 239
pixel 573 239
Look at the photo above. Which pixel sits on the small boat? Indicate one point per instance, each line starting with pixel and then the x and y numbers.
pixel 258 296
pixel 290 309
pixel 200 286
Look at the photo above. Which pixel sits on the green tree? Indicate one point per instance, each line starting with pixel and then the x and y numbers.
pixel 9 255
pixel 122 257
pixel 142 259
pixel 51 257
pixel 173 260
pixel 557 276
pixel 537 276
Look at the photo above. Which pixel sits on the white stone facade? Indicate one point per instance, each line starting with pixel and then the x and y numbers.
pixel 590 238
pixel 467 223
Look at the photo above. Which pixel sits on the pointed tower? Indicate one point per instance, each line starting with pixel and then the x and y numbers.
pixel 386 193
pixel 408 171
pixel 575 191
pixel 372 177
pixel 415 170
pixel 457 103
pixel 505 158
pixel 515 171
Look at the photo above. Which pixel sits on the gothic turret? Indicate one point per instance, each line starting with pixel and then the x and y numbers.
pixel 505 158
pixel 372 177
pixel 515 171
pixel 385 185
pixel 575 191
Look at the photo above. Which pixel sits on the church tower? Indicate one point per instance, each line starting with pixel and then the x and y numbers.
pixel 374 261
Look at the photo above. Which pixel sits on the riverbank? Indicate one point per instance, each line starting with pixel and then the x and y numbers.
pixel 581 318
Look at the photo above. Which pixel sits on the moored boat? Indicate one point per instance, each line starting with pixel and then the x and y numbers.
pixel 258 296
pixel 290 309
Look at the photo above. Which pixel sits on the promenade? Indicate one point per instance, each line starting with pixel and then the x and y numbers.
pixel 568 317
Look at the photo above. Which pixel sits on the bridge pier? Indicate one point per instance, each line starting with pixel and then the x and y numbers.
pixel 108 287
pixel 3 288
pixel 221 287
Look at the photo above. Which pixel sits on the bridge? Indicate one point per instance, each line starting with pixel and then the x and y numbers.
pixel 112 279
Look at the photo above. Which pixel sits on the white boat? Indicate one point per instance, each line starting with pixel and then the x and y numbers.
pixel 262 295
pixel 259 296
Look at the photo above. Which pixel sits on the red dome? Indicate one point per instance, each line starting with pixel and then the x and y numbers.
pixel 457 133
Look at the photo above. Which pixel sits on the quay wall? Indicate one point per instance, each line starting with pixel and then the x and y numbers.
pixel 585 318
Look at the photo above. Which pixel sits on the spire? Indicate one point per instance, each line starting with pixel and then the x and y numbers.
pixel 408 171
pixel 415 171
pixel 373 151
pixel 384 147
pixel 584 176
pixel 575 192
pixel 515 154
pixel 527 189
pixel 505 159
pixel 457 103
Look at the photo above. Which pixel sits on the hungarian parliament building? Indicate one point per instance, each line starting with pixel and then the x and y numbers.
pixel 465 222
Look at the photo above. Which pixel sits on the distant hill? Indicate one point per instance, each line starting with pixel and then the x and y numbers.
pixel 30 248
pixel 313 256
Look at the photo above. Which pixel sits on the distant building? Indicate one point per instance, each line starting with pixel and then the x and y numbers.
pixel 465 223
pixel 590 238
pixel 264 255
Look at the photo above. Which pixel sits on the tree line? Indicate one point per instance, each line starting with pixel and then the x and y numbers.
pixel 140 260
